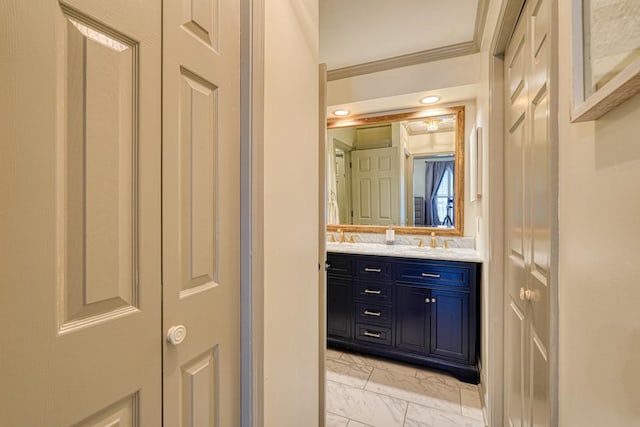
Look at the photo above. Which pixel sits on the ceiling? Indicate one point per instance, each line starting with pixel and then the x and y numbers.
pixel 362 36
pixel 354 32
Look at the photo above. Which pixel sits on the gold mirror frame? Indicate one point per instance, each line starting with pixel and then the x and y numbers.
pixel 458 229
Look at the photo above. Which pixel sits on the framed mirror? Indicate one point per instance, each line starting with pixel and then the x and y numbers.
pixel 402 169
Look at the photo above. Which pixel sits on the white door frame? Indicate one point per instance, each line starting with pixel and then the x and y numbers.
pixel 251 212
pixel 507 19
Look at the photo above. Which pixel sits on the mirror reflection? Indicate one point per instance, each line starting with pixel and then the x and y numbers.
pixel 400 173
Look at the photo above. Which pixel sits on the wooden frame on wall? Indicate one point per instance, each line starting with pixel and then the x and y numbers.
pixel 622 82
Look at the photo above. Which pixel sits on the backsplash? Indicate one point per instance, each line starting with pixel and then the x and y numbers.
pixel 407 239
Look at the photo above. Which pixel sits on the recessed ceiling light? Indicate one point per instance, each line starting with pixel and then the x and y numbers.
pixel 341 113
pixel 431 99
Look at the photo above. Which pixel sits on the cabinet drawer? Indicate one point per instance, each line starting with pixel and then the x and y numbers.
pixel 374 292
pixel 373 313
pixel 373 269
pixel 444 275
pixel 373 334
pixel 341 265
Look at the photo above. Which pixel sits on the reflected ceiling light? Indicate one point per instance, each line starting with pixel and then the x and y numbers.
pixel 341 113
pixel 432 125
pixel 431 99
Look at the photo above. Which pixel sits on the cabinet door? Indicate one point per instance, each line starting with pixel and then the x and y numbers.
pixel 339 307
pixel 450 324
pixel 412 318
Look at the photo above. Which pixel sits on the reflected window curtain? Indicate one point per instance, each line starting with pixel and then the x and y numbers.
pixel 433 177
pixel 429 189
pixel 333 213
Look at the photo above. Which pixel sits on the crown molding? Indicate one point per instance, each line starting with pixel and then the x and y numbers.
pixel 437 54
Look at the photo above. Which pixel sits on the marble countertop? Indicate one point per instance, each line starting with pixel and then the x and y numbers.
pixel 406 251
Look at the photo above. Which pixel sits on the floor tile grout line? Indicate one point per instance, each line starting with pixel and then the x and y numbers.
pixel 404 420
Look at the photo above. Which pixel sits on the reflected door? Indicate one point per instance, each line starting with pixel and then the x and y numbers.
pixel 80 224
pixel 528 202
pixel 376 186
pixel 342 186
pixel 201 212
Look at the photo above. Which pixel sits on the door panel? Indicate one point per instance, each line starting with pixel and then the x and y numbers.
pixel 449 324
pixel 528 205
pixel 201 211
pixel 80 192
pixel 376 186
pixel 412 318
pixel 339 307
pixel 539 383
pixel 514 370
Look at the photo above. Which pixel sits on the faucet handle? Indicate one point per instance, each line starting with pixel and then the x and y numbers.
pixel 332 238
pixel 352 239
pixel 420 243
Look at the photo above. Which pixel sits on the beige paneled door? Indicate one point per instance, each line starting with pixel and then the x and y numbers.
pixel 375 186
pixel 529 217
pixel 80 284
pixel 119 213
pixel 201 212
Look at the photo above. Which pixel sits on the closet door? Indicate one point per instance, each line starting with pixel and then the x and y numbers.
pixel 201 212
pixel 80 205
pixel 528 204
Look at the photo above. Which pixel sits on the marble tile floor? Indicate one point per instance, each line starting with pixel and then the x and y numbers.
pixel 365 391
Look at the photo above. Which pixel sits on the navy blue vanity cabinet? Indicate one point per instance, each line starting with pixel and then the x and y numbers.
pixel 339 298
pixel 437 314
pixel 414 310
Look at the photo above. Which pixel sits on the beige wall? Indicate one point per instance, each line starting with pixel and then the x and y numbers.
pixel 599 264
pixel 291 214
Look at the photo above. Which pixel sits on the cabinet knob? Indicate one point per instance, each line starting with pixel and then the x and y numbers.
pixel 176 334
pixel 433 300
pixel 427 300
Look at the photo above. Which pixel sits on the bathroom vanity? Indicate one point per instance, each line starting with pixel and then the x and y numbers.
pixel 418 305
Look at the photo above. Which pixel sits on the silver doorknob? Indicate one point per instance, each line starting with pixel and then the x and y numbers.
pixel 176 334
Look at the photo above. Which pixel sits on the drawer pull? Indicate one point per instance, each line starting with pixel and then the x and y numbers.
pixel 372 334
pixel 435 276
pixel 372 313
pixel 373 291
pixel 372 270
